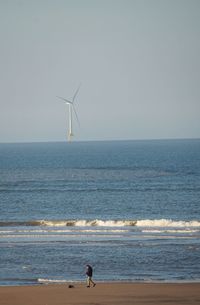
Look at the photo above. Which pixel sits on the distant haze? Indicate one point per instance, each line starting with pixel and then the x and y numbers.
pixel 138 62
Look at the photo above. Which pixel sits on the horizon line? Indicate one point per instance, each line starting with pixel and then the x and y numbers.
pixel 106 140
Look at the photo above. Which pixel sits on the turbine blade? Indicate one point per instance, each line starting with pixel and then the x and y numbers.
pixel 64 99
pixel 76 93
pixel 76 115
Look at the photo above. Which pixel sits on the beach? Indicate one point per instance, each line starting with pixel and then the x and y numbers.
pixel 102 294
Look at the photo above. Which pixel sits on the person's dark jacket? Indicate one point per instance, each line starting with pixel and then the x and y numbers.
pixel 88 270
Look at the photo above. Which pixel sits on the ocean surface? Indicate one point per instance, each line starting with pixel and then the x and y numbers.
pixel 131 209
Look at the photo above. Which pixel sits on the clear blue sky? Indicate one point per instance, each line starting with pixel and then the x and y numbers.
pixel 138 62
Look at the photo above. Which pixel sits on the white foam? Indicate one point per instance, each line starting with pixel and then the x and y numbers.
pixel 6 232
pixel 167 223
pixel 87 223
pixel 51 281
pixel 105 223
pixel 50 223
pixel 170 231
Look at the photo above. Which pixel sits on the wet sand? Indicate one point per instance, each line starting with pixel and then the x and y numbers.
pixel 102 294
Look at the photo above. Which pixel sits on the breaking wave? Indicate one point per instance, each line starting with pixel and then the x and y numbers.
pixel 103 223
pixel 48 281
pixel 167 223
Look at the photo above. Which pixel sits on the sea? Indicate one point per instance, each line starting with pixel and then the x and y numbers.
pixel 130 209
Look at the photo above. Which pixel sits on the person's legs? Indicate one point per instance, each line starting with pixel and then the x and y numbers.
pixel 90 281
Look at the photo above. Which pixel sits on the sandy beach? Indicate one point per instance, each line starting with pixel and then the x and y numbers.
pixel 102 294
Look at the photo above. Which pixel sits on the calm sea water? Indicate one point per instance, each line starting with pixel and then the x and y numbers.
pixel 131 209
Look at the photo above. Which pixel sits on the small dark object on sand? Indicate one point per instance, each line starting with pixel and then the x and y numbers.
pixel 70 286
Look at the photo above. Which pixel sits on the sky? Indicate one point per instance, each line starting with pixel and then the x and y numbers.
pixel 138 62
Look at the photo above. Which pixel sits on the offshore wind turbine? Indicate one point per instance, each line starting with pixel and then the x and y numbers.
pixel 70 104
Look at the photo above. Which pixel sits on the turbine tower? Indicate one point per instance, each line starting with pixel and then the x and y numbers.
pixel 70 104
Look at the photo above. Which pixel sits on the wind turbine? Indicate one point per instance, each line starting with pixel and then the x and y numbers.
pixel 70 104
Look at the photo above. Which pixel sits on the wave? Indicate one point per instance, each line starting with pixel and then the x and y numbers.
pixel 103 223
pixel 183 231
pixel 70 223
pixel 47 281
pixel 167 223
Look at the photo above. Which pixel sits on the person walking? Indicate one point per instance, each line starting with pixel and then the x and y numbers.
pixel 89 272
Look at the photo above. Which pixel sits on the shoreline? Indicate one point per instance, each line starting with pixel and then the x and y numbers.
pixel 111 293
pixel 82 282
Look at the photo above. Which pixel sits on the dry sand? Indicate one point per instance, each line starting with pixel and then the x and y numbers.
pixel 102 294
